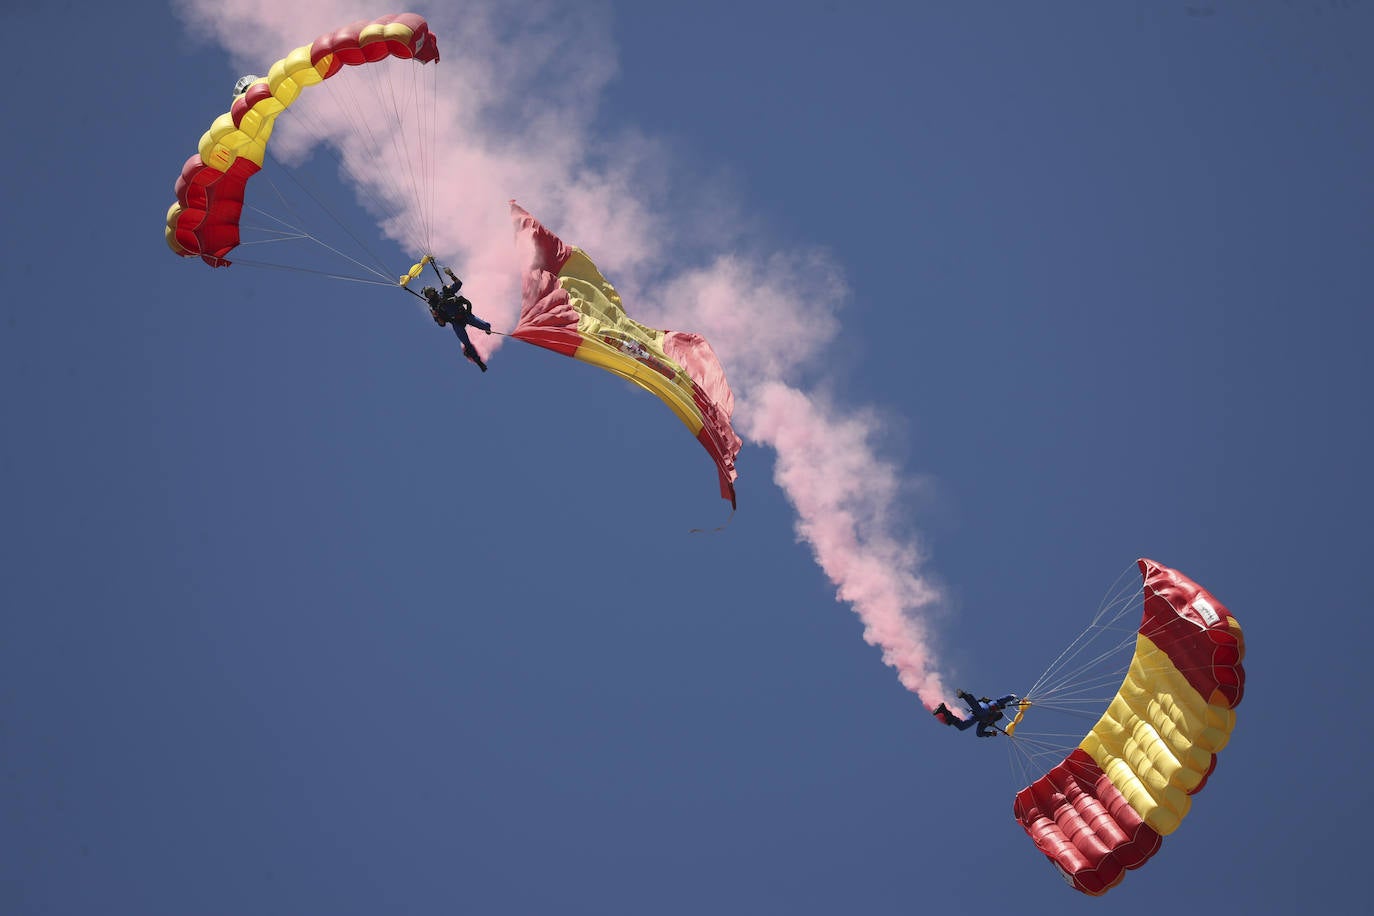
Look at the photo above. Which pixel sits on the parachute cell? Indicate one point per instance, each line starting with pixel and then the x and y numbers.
pixel 1106 808
pixel 204 221
pixel 570 308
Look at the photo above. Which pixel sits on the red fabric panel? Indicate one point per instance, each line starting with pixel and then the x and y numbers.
pixel 714 399
pixel 710 441
pixel 211 203
pixel 1080 821
pixel 558 339
pixel 547 318
pixel 718 437
pixel 550 252
pixel 244 103
pixel 1207 652
pixel 345 45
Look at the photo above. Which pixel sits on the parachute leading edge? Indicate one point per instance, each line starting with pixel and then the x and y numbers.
pixel 570 308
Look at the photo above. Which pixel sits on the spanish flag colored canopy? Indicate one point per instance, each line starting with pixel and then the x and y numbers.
pixel 1130 782
pixel 570 308
pixel 204 220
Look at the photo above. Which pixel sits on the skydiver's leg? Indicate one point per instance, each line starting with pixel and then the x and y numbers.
pixel 468 349
pixel 962 724
pixel 479 323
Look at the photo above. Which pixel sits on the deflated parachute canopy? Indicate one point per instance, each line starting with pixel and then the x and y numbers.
pixel 570 308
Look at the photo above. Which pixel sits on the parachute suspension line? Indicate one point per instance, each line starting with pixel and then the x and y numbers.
pixel 402 141
pixel 300 229
pixel 377 182
pixel 1094 631
pixel 377 268
pixel 1038 753
pixel 395 106
pixel 353 140
pixel 1082 681
pixel 307 270
pixel 399 167
pixel 1031 757
pixel 429 148
pixel 721 527
pixel 273 235
pixel 1067 671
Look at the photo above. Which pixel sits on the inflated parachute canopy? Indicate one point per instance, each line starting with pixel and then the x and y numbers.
pixel 204 221
pixel 570 308
pixel 1107 806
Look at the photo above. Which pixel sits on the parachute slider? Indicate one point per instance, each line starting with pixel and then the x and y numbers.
pixel 1021 708
pixel 415 271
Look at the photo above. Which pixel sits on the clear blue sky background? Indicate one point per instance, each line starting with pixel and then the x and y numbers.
pixel 294 620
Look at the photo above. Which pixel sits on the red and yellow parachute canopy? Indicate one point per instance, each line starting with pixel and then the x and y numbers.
pixel 204 221
pixel 1130 782
pixel 570 308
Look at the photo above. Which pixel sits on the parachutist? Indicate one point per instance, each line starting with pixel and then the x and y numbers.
pixel 450 308
pixel 983 713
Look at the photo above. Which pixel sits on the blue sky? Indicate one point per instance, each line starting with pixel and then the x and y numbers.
pixel 299 616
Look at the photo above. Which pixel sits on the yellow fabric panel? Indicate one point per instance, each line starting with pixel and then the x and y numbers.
pixel 226 141
pixel 288 76
pixel 1157 739
pixel 377 31
pixel 601 314
pixel 172 212
pixel 627 367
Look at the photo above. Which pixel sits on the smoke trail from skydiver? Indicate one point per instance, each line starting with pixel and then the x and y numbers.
pixel 514 106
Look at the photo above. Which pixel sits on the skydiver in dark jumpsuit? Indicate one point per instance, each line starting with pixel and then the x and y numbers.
pixel 452 309
pixel 983 713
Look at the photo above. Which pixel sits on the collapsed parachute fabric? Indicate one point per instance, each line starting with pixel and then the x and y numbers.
pixel 1130 782
pixel 204 221
pixel 569 307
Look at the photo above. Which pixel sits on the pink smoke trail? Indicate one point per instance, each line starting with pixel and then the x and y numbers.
pixel 514 102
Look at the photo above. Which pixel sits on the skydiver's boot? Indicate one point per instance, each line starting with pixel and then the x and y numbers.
pixel 941 712
pixel 471 353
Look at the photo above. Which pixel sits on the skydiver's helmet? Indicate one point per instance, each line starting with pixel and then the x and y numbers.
pixel 430 293
pixel 244 82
